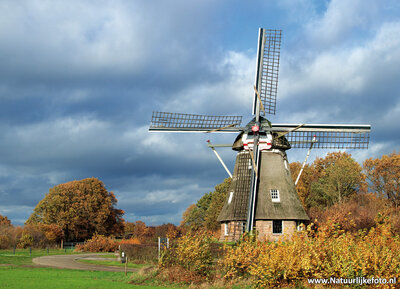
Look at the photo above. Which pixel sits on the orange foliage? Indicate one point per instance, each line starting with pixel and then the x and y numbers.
pixel 192 253
pixel 81 209
pixel 4 221
pixel 357 213
pixel 329 252
pixel 133 241
pixel 98 243
pixel 384 176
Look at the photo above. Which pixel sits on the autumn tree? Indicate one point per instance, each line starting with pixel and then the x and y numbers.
pixel 4 221
pixel 338 177
pixel 307 177
pixel 81 208
pixel 166 230
pixel 384 176
pixel 6 232
pixel 217 202
pixel 129 228
pixel 186 215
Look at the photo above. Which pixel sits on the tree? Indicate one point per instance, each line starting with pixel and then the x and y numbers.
pixel 307 178
pixel 166 230
pixel 129 228
pixel 337 177
pixel 217 202
pixel 384 176
pixel 81 208
pixel 186 214
pixel 197 215
pixel 4 221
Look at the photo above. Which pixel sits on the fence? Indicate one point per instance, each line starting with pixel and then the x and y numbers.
pixel 70 245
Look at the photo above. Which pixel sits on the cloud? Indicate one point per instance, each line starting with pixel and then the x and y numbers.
pixel 79 80
pixel 355 84
pixel 341 20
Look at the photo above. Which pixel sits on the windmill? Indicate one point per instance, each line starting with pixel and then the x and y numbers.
pixel 262 194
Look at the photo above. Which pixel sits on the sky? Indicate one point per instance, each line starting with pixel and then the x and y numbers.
pixel 79 81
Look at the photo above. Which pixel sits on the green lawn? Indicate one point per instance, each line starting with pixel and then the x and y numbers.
pixel 22 273
pixel 27 278
pixel 23 256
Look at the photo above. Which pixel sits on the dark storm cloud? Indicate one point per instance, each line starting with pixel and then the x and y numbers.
pixel 78 83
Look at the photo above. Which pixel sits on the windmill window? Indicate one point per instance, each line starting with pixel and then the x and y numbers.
pixel 277 227
pixel 230 197
pixel 226 229
pixel 243 227
pixel 275 195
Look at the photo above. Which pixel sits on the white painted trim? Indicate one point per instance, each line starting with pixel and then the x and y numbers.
pixel 275 200
pixel 230 197
pixel 226 229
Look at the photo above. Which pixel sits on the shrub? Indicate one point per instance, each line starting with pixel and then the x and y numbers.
pixel 330 252
pixel 356 213
pixel 98 243
pixel 5 242
pixel 239 257
pixel 25 241
pixel 140 252
pixel 192 253
pixel 6 236
pixel 132 241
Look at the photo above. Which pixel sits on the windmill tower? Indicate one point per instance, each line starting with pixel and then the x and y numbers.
pixel 262 195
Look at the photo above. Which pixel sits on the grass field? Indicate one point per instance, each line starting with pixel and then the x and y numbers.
pixel 18 271
pixel 23 256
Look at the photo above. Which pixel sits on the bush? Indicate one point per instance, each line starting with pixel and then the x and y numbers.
pixel 6 236
pixel 191 252
pixel 132 241
pixel 25 241
pixel 140 253
pixel 330 252
pixel 5 242
pixel 356 213
pixel 98 243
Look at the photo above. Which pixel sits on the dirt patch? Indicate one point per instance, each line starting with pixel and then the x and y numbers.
pixel 70 262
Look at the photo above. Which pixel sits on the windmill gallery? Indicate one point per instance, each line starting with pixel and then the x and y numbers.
pixel 262 195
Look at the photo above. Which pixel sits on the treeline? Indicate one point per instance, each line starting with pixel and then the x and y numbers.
pixel 335 187
pixel 51 235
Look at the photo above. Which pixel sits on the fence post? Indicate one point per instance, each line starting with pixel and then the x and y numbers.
pixel 159 248
pixel 14 249
pixel 30 251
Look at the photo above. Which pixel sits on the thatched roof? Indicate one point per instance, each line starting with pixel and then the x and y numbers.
pixel 273 174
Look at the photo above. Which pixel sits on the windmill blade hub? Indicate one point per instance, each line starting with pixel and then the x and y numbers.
pixel 255 128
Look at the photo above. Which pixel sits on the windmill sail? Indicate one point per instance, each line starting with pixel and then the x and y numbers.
pixel 269 44
pixel 183 122
pixel 328 136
